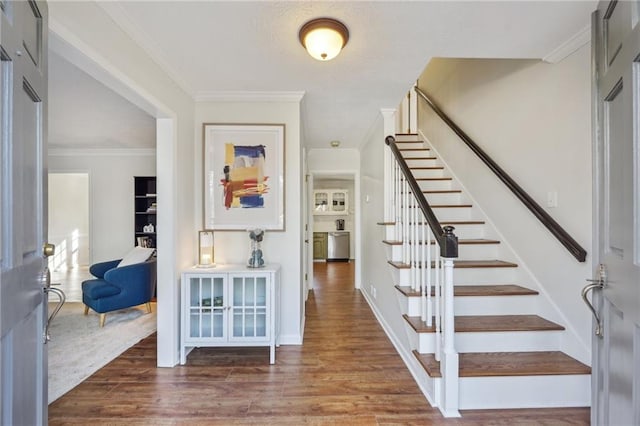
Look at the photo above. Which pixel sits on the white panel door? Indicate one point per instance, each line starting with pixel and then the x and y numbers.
pixel 616 353
pixel 23 307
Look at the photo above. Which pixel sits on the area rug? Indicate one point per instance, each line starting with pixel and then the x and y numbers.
pixel 79 347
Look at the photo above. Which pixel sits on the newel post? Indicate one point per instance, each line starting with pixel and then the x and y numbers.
pixel 449 365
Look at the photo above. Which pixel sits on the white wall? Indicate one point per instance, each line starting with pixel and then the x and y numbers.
pixel 111 209
pixel 84 34
pixel 285 247
pixel 534 120
pixel 375 269
pixel 68 199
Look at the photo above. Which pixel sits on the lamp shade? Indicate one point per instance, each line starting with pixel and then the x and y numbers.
pixel 324 38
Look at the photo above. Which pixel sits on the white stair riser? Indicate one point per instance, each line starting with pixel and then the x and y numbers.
pixel 414 154
pixel 428 173
pixel 525 392
pixel 445 198
pixel 468 231
pixel 407 137
pixel 482 305
pixel 422 162
pixel 478 251
pixel 495 305
pixel 469 276
pixel 434 185
pixel 465 251
pixel 452 213
pixel 508 341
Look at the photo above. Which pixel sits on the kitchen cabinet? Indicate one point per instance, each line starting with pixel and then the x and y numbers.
pixel 319 245
pixel 230 305
pixel 330 201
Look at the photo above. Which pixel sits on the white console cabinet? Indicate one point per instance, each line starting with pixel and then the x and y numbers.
pixel 230 305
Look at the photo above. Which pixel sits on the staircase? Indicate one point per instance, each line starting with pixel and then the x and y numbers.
pixel 509 355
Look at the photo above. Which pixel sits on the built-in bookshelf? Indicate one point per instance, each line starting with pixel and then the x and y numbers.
pixel 145 206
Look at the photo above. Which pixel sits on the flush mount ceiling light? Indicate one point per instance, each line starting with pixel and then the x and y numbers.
pixel 324 38
pixel 334 144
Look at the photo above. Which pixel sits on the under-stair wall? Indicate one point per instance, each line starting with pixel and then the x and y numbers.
pixel 533 119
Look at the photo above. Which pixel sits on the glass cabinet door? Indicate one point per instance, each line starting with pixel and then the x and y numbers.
pixel 249 317
pixel 321 201
pixel 206 307
pixel 339 201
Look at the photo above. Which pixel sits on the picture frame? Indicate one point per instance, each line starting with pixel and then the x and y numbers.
pixel 243 176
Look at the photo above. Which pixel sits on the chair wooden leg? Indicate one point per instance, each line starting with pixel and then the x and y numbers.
pixel 86 310
pixel 148 307
pixel 103 317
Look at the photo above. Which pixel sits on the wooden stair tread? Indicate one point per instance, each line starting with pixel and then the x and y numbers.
pixel 443 191
pixel 476 290
pixel 483 264
pixel 413 149
pixel 427 168
pixel 464 264
pixel 490 323
pixel 449 222
pixel 509 364
pixel 472 241
pixel 450 206
pixel 420 158
pixel 461 222
pixel 433 178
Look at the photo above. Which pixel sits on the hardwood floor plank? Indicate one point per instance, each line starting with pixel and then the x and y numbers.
pixel 346 373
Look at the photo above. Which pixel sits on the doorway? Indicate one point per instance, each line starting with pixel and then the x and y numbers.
pixel 69 230
pixel 334 216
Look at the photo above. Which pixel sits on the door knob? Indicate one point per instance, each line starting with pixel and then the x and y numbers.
pixel 48 249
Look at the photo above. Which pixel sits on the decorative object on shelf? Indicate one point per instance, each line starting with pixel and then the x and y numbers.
pixel 143 241
pixel 149 228
pixel 256 259
pixel 243 176
pixel 205 249
pixel 323 38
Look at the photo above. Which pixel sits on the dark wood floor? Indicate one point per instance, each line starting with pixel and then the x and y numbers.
pixel 346 373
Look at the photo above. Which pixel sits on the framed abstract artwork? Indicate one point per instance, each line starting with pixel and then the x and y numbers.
pixel 243 176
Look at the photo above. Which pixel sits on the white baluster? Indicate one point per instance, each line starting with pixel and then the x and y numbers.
pixel 429 304
pixel 438 289
pixel 405 221
pixel 423 269
pixel 414 243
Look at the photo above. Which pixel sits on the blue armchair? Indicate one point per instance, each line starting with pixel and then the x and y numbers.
pixel 118 287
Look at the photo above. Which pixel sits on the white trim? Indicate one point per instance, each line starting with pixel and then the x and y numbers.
pixel 574 43
pixel 291 339
pixel 123 20
pixel 101 152
pixel 248 96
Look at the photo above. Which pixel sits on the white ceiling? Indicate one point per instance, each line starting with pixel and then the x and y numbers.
pixel 210 47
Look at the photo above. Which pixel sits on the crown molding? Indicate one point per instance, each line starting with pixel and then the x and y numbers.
pixel 574 43
pixel 249 96
pixel 101 152
pixel 121 18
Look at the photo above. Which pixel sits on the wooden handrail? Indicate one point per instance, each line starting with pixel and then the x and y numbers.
pixel 563 236
pixel 447 240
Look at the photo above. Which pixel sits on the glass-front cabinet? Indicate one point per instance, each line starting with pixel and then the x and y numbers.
pixel 249 307
pixel 230 305
pixel 330 201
